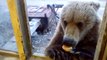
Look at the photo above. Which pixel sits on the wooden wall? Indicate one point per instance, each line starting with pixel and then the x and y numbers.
pixel 101 49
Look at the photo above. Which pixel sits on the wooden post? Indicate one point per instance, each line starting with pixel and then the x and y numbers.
pixel 21 7
pixel 20 26
pixel 101 49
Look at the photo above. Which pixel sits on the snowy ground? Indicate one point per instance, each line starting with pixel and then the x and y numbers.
pixel 6 32
pixel 39 42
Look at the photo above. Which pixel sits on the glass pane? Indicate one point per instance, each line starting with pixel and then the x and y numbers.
pixel 7 38
pixel 43 20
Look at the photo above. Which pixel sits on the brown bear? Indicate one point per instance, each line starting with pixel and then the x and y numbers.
pixel 78 28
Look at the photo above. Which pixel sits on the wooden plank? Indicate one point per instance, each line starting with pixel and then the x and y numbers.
pixel 102 42
pixel 105 53
pixel 8 53
pixel 34 12
pixel 40 57
pixel 8 58
pixel 20 27
pixel 24 25
pixel 16 28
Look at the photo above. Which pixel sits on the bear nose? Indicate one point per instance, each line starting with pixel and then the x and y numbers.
pixel 69 42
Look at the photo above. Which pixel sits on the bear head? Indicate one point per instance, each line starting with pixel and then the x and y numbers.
pixel 77 18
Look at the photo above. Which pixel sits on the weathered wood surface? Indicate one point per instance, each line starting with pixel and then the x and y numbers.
pixel 20 23
pixel 101 49
pixel 35 11
pixel 24 25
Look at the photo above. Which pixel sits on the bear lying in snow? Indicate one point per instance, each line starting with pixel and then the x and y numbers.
pixel 78 28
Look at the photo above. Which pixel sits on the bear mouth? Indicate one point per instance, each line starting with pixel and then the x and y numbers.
pixel 69 42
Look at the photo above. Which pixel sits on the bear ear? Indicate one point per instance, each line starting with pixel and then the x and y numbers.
pixel 95 5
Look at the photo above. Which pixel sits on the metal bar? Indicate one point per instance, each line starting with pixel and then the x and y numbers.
pixel 20 27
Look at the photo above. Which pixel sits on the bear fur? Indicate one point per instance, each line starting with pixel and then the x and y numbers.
pixel 79 25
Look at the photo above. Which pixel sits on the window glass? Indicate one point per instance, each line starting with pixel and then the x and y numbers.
pixel 43 18
pixel 7 38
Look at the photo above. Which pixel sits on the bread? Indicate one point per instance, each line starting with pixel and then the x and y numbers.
pixel 66 48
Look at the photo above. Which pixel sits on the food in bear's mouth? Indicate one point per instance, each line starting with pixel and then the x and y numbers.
pixel 66 48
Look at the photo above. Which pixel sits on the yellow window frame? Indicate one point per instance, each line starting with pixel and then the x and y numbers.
pixel 19 21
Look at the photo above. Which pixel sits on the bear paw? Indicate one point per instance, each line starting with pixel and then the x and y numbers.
pixel 57 53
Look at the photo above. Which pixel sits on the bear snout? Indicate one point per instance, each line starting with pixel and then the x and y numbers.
pixel 69 42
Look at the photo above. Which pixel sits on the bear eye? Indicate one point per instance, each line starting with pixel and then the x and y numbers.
pixel 65 23
pixel 79 25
